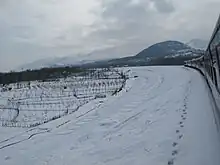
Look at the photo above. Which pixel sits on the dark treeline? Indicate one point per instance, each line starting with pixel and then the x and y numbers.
pixel 133 61
pixel 41 74
pixel 62 72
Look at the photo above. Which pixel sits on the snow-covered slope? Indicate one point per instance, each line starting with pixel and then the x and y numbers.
pixel 105 56
pixel 57 62
pixel 163 116
pixel 163 49
pixel 198 44
pixel 74 59
pixel 186 53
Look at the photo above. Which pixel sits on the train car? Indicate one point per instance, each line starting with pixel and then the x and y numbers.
pixel 209 63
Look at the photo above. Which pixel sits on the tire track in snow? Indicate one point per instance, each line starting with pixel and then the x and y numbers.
pixel 136 102
pixel 128 119
pixel 25 139
pixel 119 126
pixel 19 134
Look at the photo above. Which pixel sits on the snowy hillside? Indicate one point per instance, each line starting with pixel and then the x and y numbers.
pixel 163 49
pixel 57 62
pixel 163 116
pixel 107 57
pixel 198 44
pixel 185 53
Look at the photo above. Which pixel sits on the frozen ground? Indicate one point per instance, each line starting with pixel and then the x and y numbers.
pixel 28 104
pixel 162 117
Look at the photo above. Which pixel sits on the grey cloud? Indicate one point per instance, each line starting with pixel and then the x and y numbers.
pixel 31 30
pixel 164 6
pixel 139 22
pixel 124 10
pixel 23 32
pixel 5 3
pixel 126 23
pixel 130 27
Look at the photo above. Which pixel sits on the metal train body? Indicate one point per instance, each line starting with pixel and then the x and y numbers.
pixel 209 62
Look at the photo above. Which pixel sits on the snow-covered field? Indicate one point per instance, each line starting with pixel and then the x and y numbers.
pixel 164 116
pixel 28 104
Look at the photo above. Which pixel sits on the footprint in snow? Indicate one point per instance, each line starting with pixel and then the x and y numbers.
pixel 175 144
pixel 180 136
pixel 7 158
pixel 72 148
pixel 170 162
pixel 177 131
pixel 174 152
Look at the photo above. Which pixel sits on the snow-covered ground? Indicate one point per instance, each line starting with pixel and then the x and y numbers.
pixel 28 104
pixel 164 116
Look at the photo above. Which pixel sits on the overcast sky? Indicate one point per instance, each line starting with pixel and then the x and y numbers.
pixel 37 29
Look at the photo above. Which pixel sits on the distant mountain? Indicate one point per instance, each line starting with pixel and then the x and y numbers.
pixel 71 60
pixel 198 44
pixel 167 53
pixel 163 49
pixel 56 62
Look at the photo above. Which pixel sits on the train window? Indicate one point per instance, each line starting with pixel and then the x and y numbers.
pixel 216 39
pixel 218 50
